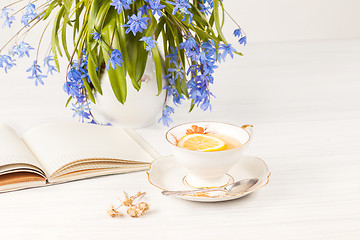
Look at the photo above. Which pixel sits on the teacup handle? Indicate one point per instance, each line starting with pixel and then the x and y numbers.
pixel 249 129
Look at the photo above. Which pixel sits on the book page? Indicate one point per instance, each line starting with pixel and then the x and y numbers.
pixel 13 151
pixel 58 144
pixel 97 172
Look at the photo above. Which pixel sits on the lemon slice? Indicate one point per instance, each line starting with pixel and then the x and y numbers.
pixel 202 143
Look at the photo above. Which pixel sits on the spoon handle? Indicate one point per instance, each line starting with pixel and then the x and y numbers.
pixel 178 193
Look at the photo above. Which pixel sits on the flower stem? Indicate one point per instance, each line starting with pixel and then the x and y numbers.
pixel 234 21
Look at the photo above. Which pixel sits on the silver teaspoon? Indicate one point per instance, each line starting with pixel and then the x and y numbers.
pixel 232 189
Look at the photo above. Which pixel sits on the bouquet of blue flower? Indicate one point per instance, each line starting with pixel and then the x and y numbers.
pixel 117 36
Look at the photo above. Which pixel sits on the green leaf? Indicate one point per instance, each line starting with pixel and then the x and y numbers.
pixel 184 87
pixel 55 46
pixel 94 9
pixel 131 49
pixel 56 59
pixel 142 58
pixel 211 20
pixel 68 101
pixel 117 77
pixel 82 39
pixel 93 74
pixel 118 83
pixel 192 105
pixel 123 48
pixel 67 4
pixel 88 90
pixel 54 36
pixel 63 39
pixel 50 8
pixel 158 66
pixel 142 54
pixel 223 14
pixel 217 21
pixel 101 15
pixel 79 8
pixel 159 27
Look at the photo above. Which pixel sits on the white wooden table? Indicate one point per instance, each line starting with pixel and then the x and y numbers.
pixel 303 99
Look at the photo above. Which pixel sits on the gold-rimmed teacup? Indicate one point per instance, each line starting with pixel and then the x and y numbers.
pixel 209 169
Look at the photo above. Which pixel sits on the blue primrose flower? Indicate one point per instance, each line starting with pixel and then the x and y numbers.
pixel 30 8
pixel 189 44
pixel 177 71
pixel 121 4
pixel 182 6
pixel 193 69
pixel 114 60
pixel 210 2
pixel 136 23
pixel 199 93
pixel 29 15
pixel 8 19
pixel 82 110
pixel 203 56
pixel 74 86
pixel 240 34
pixel 237 32
pixel 227 49
pixel 22 49
pixel 243 40
pixel 155 6
pixel 209 46
pixel 165 119
pixel 6 62
pixel 205 9
pixel 150 43
pixel 96 36
pixel 81 66
pixel 173 56
pixel 47 64
pixel 36 74
pixel 191 47
pixel 144 10
pixel 171 91
pixel 5 12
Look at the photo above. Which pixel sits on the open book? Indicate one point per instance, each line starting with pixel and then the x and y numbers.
pixel 61 152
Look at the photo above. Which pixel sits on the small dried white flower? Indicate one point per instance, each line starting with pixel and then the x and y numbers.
pixel 143 206
pixel 113 212
pixel 133 210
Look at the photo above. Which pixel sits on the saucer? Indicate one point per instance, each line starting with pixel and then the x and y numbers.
pixel 167 174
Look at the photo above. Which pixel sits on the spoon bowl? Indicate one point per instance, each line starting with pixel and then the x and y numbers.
pixel 240 186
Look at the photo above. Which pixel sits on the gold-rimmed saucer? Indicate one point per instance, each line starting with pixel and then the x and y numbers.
pixel 167 174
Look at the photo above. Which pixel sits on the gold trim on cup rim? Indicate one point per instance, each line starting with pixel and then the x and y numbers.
pixel 243 127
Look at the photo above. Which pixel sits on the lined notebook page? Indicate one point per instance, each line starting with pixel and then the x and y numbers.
pixel 58 144
pixel 13 150
pixel 96 166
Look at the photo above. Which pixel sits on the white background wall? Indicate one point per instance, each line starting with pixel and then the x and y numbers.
pixel 291 20
pixel 288 20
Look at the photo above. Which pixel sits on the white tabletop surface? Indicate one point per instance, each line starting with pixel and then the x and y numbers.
pixel 303 99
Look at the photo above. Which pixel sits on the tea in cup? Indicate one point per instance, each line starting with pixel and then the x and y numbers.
pixel 208 150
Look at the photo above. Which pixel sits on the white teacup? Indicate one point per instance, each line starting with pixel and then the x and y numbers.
pixel 208 169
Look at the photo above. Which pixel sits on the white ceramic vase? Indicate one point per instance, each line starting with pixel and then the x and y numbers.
pixel 142 108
